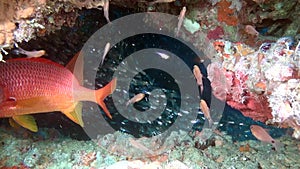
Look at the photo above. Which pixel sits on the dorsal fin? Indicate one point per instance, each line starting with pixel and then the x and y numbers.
pixel 72 62
pixel 78 73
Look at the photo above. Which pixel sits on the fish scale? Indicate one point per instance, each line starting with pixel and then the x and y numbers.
pixel 25 79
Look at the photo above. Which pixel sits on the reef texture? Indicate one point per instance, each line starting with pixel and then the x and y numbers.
pixel 24 20
pixel 263 84
pixel 121 151
pixel 262 77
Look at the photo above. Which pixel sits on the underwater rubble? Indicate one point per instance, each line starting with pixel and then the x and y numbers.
pixel 116 151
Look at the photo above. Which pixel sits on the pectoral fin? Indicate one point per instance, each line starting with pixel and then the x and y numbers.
pixel 5 99
pixel 10 103
pixel 26 121
pixel 31 102
pixel 75 114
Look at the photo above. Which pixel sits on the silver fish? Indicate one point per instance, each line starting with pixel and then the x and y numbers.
pixel 106 10
pixel 180 19
pixel 106 49
pixel 29 54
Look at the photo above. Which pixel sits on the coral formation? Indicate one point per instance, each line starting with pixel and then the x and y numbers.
pixel 226 14
pixel 261 70
pixel 262 84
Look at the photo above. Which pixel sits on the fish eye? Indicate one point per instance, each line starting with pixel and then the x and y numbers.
pixel 272 141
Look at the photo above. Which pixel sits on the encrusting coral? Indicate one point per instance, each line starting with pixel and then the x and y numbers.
pixel 262 84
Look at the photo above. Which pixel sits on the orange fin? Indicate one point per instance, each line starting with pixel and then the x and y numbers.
pixel 75 113
pixel 102 93
pixel 26 121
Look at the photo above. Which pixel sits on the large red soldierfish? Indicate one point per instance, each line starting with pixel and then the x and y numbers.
pixel 262 135
pixel 37 85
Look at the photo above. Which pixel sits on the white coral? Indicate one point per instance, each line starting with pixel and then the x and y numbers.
pixel 285 101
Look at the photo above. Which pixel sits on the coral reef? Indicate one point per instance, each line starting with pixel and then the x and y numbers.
pixel 24 20
pixel 240 37
pixel 262 84
pixel 226 14
pixel 255 65
pixel 31 151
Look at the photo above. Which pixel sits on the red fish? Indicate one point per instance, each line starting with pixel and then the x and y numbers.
pixel 136 98
pixel 30 86
pixel 206 112
pixel 198 75
pixel 262 135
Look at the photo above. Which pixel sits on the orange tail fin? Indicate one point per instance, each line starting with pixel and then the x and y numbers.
pixel 102 93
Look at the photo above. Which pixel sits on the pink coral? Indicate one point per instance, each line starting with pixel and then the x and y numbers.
pixel 250 104
pixel 217 33
pixel 236 93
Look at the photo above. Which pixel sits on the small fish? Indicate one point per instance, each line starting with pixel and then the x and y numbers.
pixel 136 98
pixel 251 30
pixel 106 49
pixel 180 19
pixel 198 75
pixel 264 47
pixel 261 85
pixel 160 1
pixel 262 135
pixel 206 112
pixel 287 41
pixel 106 10
pixel 141 147
pixel 31 86
pixel 259 1
pixel 163 55
pixel 29 54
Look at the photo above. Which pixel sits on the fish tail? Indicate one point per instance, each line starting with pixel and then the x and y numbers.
pixel 277 145
pixel 210 122
pixel 102 93
pixel 19 51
